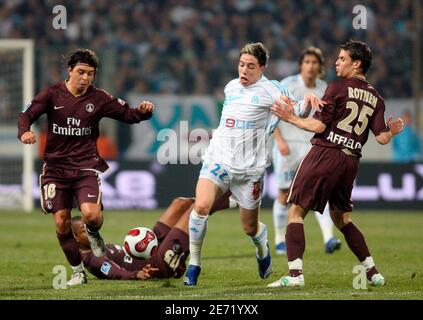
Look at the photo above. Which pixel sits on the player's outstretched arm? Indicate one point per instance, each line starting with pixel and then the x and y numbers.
pixel 395 127
pixel 120 110
pixel 28 137
pixel 286 113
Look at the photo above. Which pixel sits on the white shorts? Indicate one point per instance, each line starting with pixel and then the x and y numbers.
pixel 284 167
pixel 246 189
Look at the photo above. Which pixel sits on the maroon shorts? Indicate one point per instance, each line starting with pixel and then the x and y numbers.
pixel 68 188
pixel 325 174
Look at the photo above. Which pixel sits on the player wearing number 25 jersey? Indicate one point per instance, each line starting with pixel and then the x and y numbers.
pixel 328 171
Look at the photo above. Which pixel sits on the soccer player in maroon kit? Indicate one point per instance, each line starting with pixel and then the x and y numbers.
pixel 72 163
pixel 328 171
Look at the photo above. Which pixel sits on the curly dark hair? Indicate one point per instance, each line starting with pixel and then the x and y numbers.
pixel 86 56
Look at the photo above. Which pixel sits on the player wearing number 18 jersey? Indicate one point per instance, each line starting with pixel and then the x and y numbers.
pixel 328 171
pixel 72 163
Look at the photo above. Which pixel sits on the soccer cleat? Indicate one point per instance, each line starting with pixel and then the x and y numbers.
pixel 96 242
pixel 332 245
pixel 288 281
pixel 265 264
pixel 191 275
pixel 281 248
pixel 377 280
pixel 77 278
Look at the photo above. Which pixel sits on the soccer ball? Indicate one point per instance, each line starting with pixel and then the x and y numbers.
pixel 140 243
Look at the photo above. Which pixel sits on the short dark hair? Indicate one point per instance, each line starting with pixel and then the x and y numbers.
pixel 359 50
pixel 85 56
pixel 76 218
pixel 313 51
pixel 257 50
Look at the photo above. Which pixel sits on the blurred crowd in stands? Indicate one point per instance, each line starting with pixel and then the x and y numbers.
pixel 191 46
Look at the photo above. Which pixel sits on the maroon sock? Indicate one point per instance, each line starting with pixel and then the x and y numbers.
pixel 295 245
pixel 70 248
pixel 357 244
pixel 355 241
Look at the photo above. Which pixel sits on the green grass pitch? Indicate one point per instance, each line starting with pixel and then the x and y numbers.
pixel 29 251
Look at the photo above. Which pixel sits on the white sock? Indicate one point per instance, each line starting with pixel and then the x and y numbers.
pixel 326 223
pixel 297 264
pixel 260 240
pixel 368 263
pixel 78 268
pixel 197 232
pixel 280 220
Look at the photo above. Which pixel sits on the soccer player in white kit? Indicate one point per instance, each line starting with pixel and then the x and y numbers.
pixel 292 144
pixel 237 156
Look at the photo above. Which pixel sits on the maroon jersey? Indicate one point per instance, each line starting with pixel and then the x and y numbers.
pixel 117 265
pixel 73 124
pixel 117 254
pixel 105 267
pixel 353 107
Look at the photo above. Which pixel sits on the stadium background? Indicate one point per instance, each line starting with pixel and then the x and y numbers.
pixel 181 53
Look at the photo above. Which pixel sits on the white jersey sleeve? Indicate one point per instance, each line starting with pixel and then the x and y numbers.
pixel 297 87
pixel 241 140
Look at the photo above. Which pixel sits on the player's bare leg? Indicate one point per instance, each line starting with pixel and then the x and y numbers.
pixel 357 244
pixel 183 221
pixel 176 210
pixel 93 221
pixel 258 233
pixel 62 219
pixel 223 202
pixel 280 220
pixel 326 226
pixel 295 247
pixel 206 194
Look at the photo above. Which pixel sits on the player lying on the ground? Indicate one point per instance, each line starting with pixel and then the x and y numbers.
pixel 168 261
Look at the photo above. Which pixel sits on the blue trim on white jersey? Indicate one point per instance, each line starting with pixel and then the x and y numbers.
pixel 283 90
pixel 286 81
